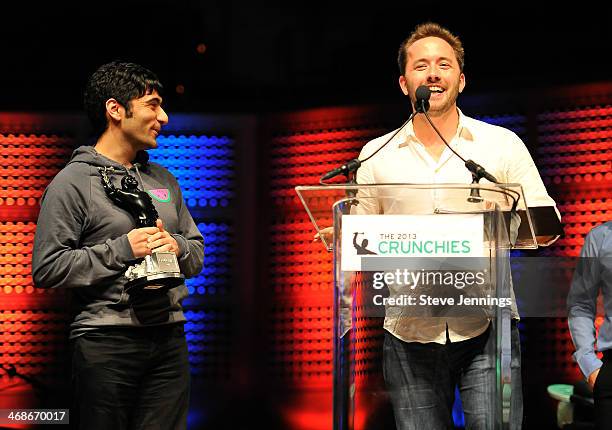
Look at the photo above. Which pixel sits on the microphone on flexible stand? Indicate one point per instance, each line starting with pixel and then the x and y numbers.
pixel 422 96
pixel 478 172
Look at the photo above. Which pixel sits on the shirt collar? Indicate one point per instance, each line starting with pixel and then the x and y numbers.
pixel 463 131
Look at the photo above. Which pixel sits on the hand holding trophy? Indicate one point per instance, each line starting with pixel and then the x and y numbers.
pixel 160 268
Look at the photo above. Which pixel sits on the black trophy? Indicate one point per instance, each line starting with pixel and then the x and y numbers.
pixel 160 270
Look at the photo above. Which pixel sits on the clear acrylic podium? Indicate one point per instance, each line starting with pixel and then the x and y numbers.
pixel 439 231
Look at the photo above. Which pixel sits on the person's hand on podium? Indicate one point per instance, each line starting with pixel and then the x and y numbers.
pixel 326 233
pixel 546 240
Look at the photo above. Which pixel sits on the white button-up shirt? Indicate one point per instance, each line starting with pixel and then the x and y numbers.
pixel 405 160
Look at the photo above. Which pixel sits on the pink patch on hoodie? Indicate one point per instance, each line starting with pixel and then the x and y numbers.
pixel 161 194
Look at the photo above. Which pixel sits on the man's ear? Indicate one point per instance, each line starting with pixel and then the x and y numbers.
pixel 403 85
pixel 461 82
pixel 114 109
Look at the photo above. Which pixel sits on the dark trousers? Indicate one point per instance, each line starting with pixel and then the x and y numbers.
pixel 131 378
pixel 421 380
pixel 602 394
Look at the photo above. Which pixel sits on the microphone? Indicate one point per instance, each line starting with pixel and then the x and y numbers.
pixel 422 99
pixel 422 105
pixel 345 169
pixel 478 172
pixel 422 95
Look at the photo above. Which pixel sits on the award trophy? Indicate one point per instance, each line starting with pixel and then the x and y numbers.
pixel 160 270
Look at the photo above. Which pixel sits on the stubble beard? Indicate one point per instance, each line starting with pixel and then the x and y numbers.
pixel 448 105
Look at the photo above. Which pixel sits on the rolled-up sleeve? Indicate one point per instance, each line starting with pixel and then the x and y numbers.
pixel 582 306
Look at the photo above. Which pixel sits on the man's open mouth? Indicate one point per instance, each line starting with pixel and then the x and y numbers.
pixel 436 89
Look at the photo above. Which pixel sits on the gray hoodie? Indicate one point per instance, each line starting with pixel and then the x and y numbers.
pixel 81 239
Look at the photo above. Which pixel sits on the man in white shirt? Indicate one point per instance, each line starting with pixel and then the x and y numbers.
pixel 425 358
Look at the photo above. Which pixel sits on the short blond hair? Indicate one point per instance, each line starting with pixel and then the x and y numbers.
pixel 430 29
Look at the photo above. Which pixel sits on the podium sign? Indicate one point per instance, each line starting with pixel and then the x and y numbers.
pixel 374 236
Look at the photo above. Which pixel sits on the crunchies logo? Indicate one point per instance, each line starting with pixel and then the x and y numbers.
pixel 389 245
pixel 362 249
pixel 408 244
pixel 375 237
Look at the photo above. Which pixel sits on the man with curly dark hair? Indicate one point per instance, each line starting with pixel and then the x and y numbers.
pixel 130 367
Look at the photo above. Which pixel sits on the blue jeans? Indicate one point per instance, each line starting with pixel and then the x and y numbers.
pixel 131 378
pixel 421 380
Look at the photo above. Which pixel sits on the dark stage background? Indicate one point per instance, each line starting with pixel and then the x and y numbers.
pixel 262 99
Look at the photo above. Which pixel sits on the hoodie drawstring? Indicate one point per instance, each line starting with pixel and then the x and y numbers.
pixel 140 177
